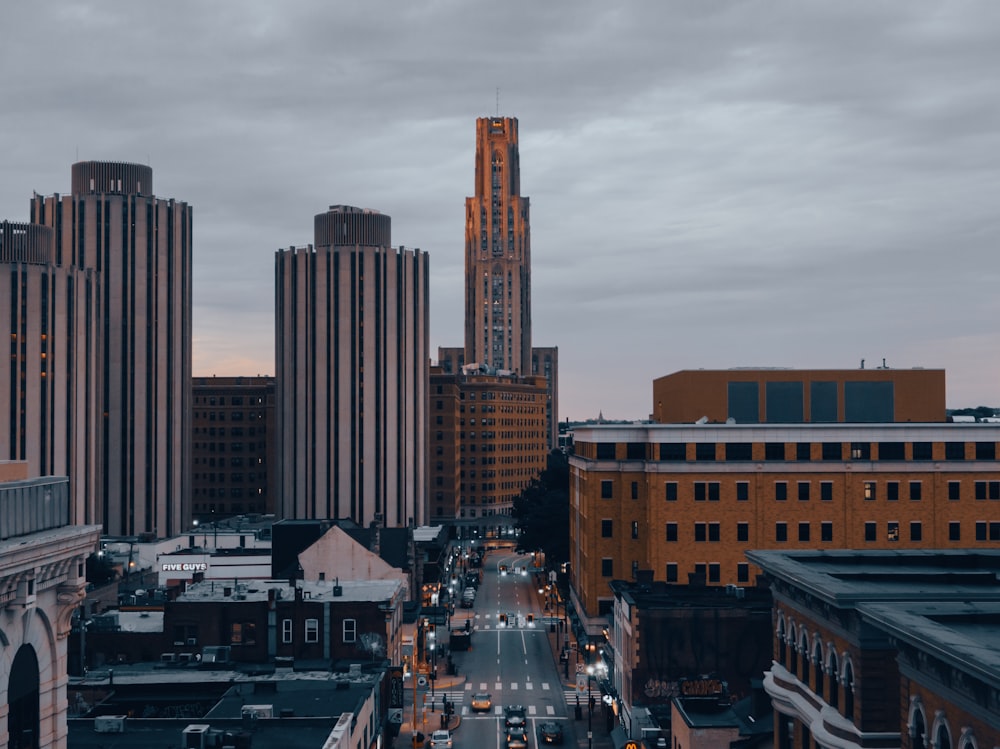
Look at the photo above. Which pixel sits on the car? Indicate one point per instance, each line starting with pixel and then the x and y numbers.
pixel 482 702
pixel 517 738
pixel 515 716
pixel 441 740
pixel 469 592
pixel 550 732
pixel 467 603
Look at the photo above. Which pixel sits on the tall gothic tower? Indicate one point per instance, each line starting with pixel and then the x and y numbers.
pixel 498 253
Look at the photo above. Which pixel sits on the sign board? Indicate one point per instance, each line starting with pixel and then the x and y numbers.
pixel 396 715
pixel 396 687
pixel 581 683
pixel 184 567
pixel 631 745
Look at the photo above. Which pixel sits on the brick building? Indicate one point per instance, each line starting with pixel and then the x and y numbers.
pixel 684 500
pixel 263 620
pixel 885 648
pixel 794 396
pixel 488 441
pixel 233 447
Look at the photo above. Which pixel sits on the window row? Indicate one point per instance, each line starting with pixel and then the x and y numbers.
pixel 798 451
pixel 349 630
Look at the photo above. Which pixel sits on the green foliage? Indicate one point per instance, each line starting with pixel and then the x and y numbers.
pixel 542 511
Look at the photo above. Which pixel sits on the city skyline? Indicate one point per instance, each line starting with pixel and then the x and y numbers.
pixel 741 185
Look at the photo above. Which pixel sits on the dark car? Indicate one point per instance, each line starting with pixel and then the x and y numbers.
pixel 517 738
pixel 514 716
pixel 550 733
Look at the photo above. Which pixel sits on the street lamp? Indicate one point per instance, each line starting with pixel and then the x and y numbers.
pixel 433 664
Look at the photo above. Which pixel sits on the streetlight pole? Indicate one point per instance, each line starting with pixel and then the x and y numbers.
pixel 590 708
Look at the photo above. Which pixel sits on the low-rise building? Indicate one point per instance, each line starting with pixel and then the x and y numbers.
pixel 885 648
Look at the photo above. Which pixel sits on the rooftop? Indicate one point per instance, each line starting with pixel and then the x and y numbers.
pixel 323 590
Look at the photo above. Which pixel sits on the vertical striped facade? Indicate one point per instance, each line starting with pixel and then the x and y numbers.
pixel 140 249
pixel 352 361
pixel 498 253
pixel 49 315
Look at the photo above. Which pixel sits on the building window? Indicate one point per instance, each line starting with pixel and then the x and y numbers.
pixel 743 531
pixel 635 529
pixel 804 531
pixel 826 491
pixel 605 450
pixel 916 531
pixel 832 451
pixel 713 531
pixel 954 451
pixel 700 572
pixel 607 489
pixel 871 531
pixel 870 490
pixel 891 451
pixel 713 491
pixel 803 451
pixel 607 567
pixel 954 490
pixel 923 451
pixel 826 531
pixel 635 490
pixel 312 630
pixel 671 572
pixel 954 531
pixel 606 528
pixel 350 630
pixel 892 490
pixel 780 491
pixel 700 492
pixel 714 572
pixel 739 451
pixel 671 531
pixel 635 451
pixel 892 532
pixel 671 491
pixel 236 633
pixel 980 531
pixel 861 451
pixel 704 451
pixel 986 451
pixel 742 572
pixel 914 490
pixel 286 631
pixel 700 531
pixel 803 491
pixel 673 451
pixel 742 491
pixel 774 451
pixel 780 531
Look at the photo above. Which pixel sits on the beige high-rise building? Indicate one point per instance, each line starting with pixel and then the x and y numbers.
pixel 52 320
pixel 133 367
pixel 352 360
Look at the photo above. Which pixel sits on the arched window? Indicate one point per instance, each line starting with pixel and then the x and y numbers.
pixel 818 664
pixel 918 725
pixel 793 658
pixel 943 737
pixel 804 647
pixel 848 691
pixel 23 700
pixel 834 684
pixel 781 642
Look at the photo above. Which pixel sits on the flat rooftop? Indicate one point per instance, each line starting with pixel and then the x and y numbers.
pixel 257 590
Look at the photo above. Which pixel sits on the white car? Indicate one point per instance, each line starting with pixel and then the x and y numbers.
pixel 440 740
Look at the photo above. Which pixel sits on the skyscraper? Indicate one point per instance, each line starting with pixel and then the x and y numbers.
pixel 137 359
pixel 51 318
pixel 498 253
pixel 352 357
pixel 498 268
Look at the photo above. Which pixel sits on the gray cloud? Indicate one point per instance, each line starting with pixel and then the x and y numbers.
pixel 712 184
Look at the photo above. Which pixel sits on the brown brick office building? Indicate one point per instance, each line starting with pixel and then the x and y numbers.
pixel 683 500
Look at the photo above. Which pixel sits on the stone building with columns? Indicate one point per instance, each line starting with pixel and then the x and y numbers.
pixel 42 581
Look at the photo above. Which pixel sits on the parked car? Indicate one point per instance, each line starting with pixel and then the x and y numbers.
pixel 441 740
pixel 550 732
pixel 482 702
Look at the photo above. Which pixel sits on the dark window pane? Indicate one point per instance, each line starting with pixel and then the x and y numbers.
pixel 713 531
pixel 699 532
pixel 742 573
pixel 607 489
pixel 744 402
pixel 739 451
pixel 704 451
pixel 892 490
pixel 803 491
pixel 780 490
pixel 832 451
pixel 671 531
pixel 803 531
pixel 742 531
pixel 914 490
pixel 869 402
pixel 635 490
pixel 954 531
pixel 673 451
pixel 780 532
pixel 870 531
pixel 783 403
pixel 699 491
pixel 606 528
pixel 823 402
pixel 714 572
pixel 774 451
pixel 671 491
pixel 635 451
pixel 803 451
pixel 671 572
pixel 826 531
pixel 608 567
pixel 923 451
pixel 742 491
pixel 916 531
pixel 986 451
pixel 954 490
pixel 826 491
pixel 605 450
pixel 713 491
pixel 954 451
pixel 891 451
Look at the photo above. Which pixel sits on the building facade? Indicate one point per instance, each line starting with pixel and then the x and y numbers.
pixel 884 648
pixel 687 501
pixel 138 395
pixel 796 396
pixel 352 362
pixel 52 321
pixel 233 447
pixel 488 442
pixel 43 556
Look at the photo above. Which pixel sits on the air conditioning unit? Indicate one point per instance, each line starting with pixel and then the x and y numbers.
pixel 109 724
pixel 168 657
pixel 193 737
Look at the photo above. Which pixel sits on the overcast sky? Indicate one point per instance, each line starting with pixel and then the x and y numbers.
pixel 712 184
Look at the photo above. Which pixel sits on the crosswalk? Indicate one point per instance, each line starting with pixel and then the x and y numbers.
pixel 526 692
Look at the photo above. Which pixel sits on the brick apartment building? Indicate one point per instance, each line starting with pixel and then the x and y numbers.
pixel 685 500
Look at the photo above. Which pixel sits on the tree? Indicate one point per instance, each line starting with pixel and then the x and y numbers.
pixel 542 511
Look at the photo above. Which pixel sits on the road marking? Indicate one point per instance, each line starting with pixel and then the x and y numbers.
pixel 498 686
pixel 531 709
pixel 545 685
pixel 529 685
pixel 513 686
pixel 482 686
pixel 549 710
pixel 468 686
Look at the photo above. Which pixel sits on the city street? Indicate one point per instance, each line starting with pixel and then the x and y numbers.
pixel 513 659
